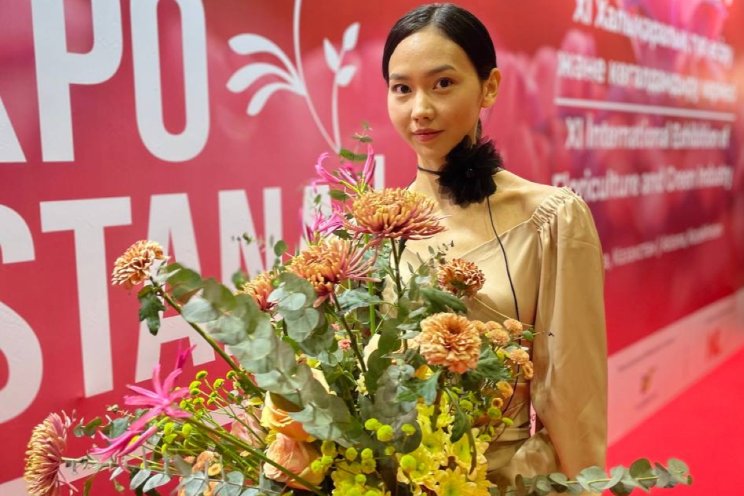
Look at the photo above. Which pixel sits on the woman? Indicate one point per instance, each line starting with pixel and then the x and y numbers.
pixel 536 244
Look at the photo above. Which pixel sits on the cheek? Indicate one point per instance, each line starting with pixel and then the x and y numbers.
pixel 397 114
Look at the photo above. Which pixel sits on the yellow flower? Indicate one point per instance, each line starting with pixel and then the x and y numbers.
pixel 133 267
pixel 44 456
pixel 259 288
pixel 395 213
pixel 449 340
pixel 328 263
pixel 460 277
pixel 505 389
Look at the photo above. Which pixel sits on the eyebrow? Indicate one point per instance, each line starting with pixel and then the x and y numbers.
pixel 431 72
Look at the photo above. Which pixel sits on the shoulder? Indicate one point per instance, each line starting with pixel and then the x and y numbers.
pixel 550 208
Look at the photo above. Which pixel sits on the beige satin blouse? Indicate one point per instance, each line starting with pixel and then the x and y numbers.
pixel 556 264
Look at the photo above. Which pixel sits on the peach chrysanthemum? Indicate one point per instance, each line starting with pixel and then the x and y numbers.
pixel 44 456
pixel 496 334
pixel 460 277
pixel 519 356
pixel 395 213
pixel 449 340
pixel 133 267
pixel 259 288
pixel 328 263
pixel 528 370
pixel 514 327
pixel 209 462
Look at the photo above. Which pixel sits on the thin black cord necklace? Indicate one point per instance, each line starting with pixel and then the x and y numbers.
pixel 498 238
pixel 506 260
pixel 435 172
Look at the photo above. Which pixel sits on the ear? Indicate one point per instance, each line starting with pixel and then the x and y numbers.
pixel 491 88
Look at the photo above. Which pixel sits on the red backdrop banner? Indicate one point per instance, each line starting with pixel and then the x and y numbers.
pixel 192 122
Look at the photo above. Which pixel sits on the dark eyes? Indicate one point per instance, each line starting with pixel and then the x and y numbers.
pixel 440 84
pixel 444 83
pixel 401 89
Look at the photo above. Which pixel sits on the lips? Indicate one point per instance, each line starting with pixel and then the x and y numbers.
pixel 424 135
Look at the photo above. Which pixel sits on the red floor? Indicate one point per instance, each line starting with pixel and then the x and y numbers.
pixel 704 426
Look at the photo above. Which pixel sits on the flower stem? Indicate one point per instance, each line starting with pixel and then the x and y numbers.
pixel 257 453
pixel 397 253
pixel 350 332
pixel 245 381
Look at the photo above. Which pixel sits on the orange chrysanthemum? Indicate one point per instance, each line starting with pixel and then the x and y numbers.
pixel 460 277
pixel 44 456
pixel 133 267
pixel 449 340
pixel 259 288
pixel 395 213
pixel 328 263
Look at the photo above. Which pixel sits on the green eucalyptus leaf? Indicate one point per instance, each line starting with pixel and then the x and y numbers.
pixel 139 478
pixel 195 484
pixel 679 471
pixel 664 478
pixel 232 485
pixel 592 479
pixel 426 389
pixel 227 329
pixel 300 325
pixel 198 310
pixel 218 295
pixel 156 480
pixel 542 485
pixel 183 282
pixel 642 472
pixel 558 478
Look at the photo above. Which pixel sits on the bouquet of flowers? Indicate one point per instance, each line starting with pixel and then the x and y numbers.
pixel 349 374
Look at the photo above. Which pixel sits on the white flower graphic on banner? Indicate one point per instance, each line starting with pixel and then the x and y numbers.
pixel 291 73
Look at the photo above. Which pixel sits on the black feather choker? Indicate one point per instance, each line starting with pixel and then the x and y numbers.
pixel 467 174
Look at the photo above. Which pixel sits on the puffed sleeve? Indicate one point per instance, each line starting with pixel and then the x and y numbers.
pixel 569 388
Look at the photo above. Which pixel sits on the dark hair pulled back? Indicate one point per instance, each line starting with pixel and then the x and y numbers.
pixel 467 175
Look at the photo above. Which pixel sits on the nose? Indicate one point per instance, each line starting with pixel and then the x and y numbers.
pixel 422 107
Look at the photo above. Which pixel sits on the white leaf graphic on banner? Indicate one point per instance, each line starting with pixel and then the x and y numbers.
pixel 259 99
pixel 343 77
pixel 331 56
pixel 249 74
pixel 291 74
pixel 350 37
pixel 248 44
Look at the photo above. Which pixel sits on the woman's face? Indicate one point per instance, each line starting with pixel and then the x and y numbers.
pixel 435 95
